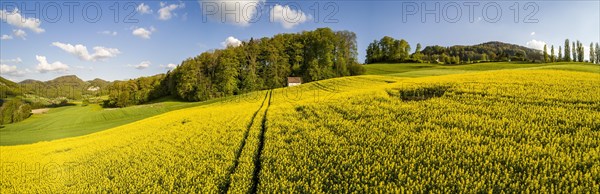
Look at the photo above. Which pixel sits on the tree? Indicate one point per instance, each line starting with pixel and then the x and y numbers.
pixel 552 57
pixel 14 110
pixel 546 58
pixel 418 49
pixel 226 72
pixel 560 58
pixel 592 53
pixel 248 69
pixel 388 50
pixel 580 52
pixel 597 53
pixel 356 69
pixel 574 51
pixel 455 60
pixel 417 55
pixel 567 51
pixel 404 50
pixel 345 52
pixel 190 73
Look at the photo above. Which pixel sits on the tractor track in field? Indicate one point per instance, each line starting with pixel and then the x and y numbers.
pixel 238 152
pixel 261 144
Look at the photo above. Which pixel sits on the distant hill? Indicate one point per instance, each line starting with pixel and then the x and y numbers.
pixel 7 83
pixel 99 82
pixel 31 81
pixel 68 79
pixel 8 88
pixel 489 51
pixel 69 86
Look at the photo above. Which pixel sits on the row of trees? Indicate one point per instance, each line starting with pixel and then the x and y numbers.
pixel 572 53
pixel 136 91
pixel 256 64
pixel 390 50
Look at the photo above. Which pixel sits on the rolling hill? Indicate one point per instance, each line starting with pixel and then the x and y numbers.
pixel 76 120
pixel 8 88
pixel 69 86
pixel 367 134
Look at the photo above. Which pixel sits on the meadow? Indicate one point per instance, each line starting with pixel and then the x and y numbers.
pixel 77 120
pixel 426 69
pixel 508 127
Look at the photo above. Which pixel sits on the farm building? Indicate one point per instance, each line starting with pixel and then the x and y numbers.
pixel 294 81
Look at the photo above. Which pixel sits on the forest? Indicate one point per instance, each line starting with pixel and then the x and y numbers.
pixel 256 64
pixel 390 50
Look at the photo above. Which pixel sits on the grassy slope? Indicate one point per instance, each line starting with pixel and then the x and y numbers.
pixel 422 70
pixel 71 121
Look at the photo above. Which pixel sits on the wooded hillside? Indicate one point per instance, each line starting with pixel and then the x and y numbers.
pixel 256 64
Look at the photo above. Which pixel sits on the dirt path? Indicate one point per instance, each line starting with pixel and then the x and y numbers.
pixel 40 111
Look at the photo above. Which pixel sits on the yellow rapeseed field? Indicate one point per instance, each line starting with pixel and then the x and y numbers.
pixel 513 131
pixel 186 151
pixel 509 130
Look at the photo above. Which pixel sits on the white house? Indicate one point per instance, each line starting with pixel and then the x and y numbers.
pixel 294 81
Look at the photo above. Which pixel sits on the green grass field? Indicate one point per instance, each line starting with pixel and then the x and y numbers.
pixel 422 70
pixel 72 121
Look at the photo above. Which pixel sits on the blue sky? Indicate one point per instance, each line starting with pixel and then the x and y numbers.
pixel 149 37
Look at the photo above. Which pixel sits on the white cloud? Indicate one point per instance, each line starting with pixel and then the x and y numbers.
pixel 17 60
pixel 231 41
pixel 534 44
pixel 164 13
pixel 108 32
pixel 244 14
pixel 20 33
pixel 10 70
pixel 143 32
pixel 143 9
pixel 44 67
pixel 6 37
pixel 14 18
pixel 169 66
pixel 532 33
pixel 142 65
pixel 287 16
pixel 100 53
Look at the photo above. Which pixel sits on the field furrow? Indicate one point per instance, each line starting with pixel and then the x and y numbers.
pixel 234 169
pixel 261 145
